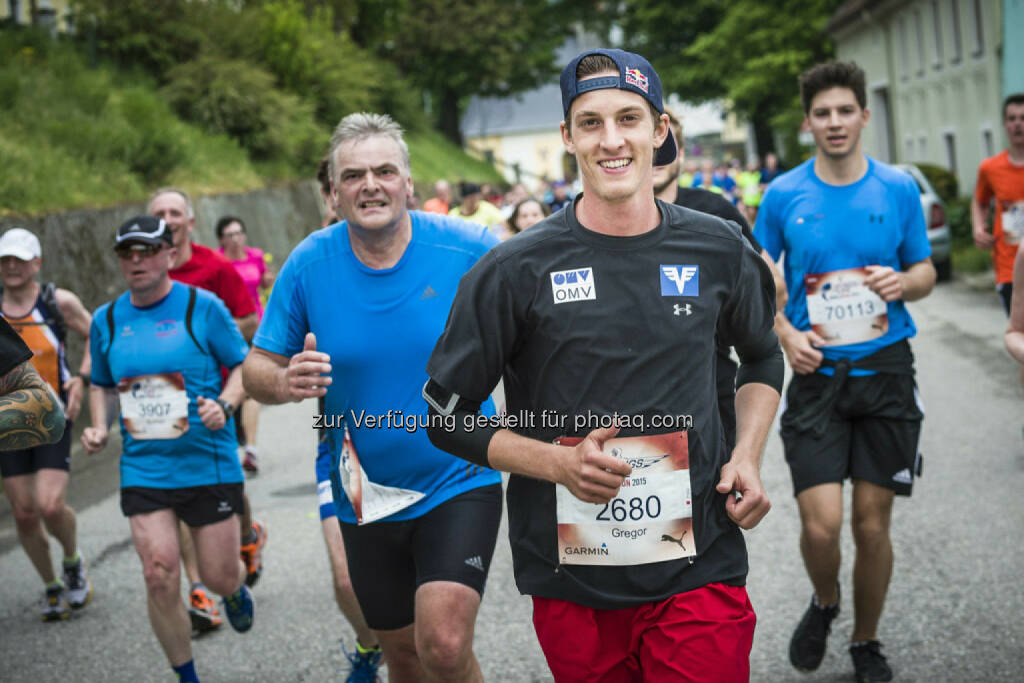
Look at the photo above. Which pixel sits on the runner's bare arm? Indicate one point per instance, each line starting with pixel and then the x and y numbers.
pixel 247 325
pixel 94 438
pixel 983 239
pixel 30 414
pixel 1015 331
pixel 756 404
pixel 271 378
pixel 78 319
pixel 781 293
pixel 912 283
pixel 211 412
pixel 799 346
pixel 590 474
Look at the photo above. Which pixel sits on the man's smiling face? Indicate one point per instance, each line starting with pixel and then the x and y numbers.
pixel 613 135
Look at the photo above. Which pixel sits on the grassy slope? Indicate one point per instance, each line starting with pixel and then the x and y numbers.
pixel 73 137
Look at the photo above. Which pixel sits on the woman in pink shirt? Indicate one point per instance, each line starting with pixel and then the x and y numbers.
pixel 252 267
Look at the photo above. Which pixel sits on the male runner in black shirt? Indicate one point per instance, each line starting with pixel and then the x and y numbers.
pixel 602 320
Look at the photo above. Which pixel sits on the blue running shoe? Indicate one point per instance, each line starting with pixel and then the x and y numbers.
pixel 240 609
pixel 365 662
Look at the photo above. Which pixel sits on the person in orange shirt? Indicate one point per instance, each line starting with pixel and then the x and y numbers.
pixel 36 479
pixel 442 199
pixel 1001 178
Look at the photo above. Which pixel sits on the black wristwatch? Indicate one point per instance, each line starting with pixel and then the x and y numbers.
pixel 228 409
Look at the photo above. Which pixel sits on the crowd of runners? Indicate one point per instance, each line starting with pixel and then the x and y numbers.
pixel 626 300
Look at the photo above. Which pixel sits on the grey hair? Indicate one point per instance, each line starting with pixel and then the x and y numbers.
pixel 165 190
pixel 362 125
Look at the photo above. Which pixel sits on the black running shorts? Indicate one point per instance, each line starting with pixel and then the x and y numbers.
pixel 872 434
pixel 388 561
pixel 51 456
pixel 195 505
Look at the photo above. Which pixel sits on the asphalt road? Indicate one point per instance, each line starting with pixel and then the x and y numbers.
pixel 954 602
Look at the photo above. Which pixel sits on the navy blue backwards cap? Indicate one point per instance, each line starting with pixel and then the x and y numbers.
pixel 635 75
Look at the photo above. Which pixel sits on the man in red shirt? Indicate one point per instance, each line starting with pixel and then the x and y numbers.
pixel 203 267
pixel 1001 178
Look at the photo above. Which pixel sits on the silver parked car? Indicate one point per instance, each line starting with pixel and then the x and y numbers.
pixel 934 209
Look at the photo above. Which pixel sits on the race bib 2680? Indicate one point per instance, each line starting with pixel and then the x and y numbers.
pixel 651 520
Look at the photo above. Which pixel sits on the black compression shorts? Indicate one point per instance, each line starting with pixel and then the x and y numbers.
pixel 388 561
pixel 51 456
pixel 872 434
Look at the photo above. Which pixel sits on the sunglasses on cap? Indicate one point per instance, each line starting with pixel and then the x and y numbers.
pixel 126 251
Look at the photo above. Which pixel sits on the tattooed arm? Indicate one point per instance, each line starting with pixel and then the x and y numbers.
pixel 30 414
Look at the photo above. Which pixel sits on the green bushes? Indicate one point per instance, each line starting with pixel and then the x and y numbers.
pixel 237 99
pixel 75 136
pixel 942 180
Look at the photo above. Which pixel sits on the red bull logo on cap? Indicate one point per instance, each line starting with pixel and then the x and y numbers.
pixel 636 78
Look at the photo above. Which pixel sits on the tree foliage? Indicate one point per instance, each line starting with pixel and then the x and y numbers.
pixel 749 52
pixel 454 50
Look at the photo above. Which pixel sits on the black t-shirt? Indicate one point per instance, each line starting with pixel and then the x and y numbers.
pixel 576 322
pixel 715 204
pixel 13 351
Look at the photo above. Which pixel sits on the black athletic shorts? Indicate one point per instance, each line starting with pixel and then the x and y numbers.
pixel 52 456
pixel 1005 291
pixel 388 561
pixel 195 505
pixel 872 434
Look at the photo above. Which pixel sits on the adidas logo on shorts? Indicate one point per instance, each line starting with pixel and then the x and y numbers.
pixel 903 477
pixel 475 562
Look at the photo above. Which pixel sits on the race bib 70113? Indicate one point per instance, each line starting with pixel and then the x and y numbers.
pixel 842 309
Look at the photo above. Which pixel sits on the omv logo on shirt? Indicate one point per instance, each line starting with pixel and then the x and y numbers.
pixel 680 280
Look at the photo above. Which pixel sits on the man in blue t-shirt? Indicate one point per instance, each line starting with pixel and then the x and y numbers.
pixel 353 317
pixel 160 347
pixel 856 249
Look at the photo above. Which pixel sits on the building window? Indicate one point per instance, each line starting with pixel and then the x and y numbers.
pixel 919 30
pixel 904 57
pixel 937 25
pixel 954 6
pixel 979 29
pixel 922 147
pixel 950 152
pixel 909 144
pixel 987 143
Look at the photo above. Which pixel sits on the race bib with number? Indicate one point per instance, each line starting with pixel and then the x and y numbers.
pixel 842 309
pixel 651 520
pixel 1013 221
pixel 370 501
pixel 154 406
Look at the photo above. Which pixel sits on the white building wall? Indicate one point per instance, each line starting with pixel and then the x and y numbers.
pixel 943 80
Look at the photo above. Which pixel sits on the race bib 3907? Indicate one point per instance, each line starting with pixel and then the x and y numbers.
pixel 651 520
pixel 154 406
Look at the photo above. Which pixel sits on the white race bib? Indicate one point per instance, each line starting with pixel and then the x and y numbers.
pixel 1013 221
pixel 651 520
pixel 370 501
pixel 154 406
pixel 842 309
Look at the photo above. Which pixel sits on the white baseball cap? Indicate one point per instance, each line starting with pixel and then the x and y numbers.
pixel 20 244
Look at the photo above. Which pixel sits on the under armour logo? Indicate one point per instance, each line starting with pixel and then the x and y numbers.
pixel 677 309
